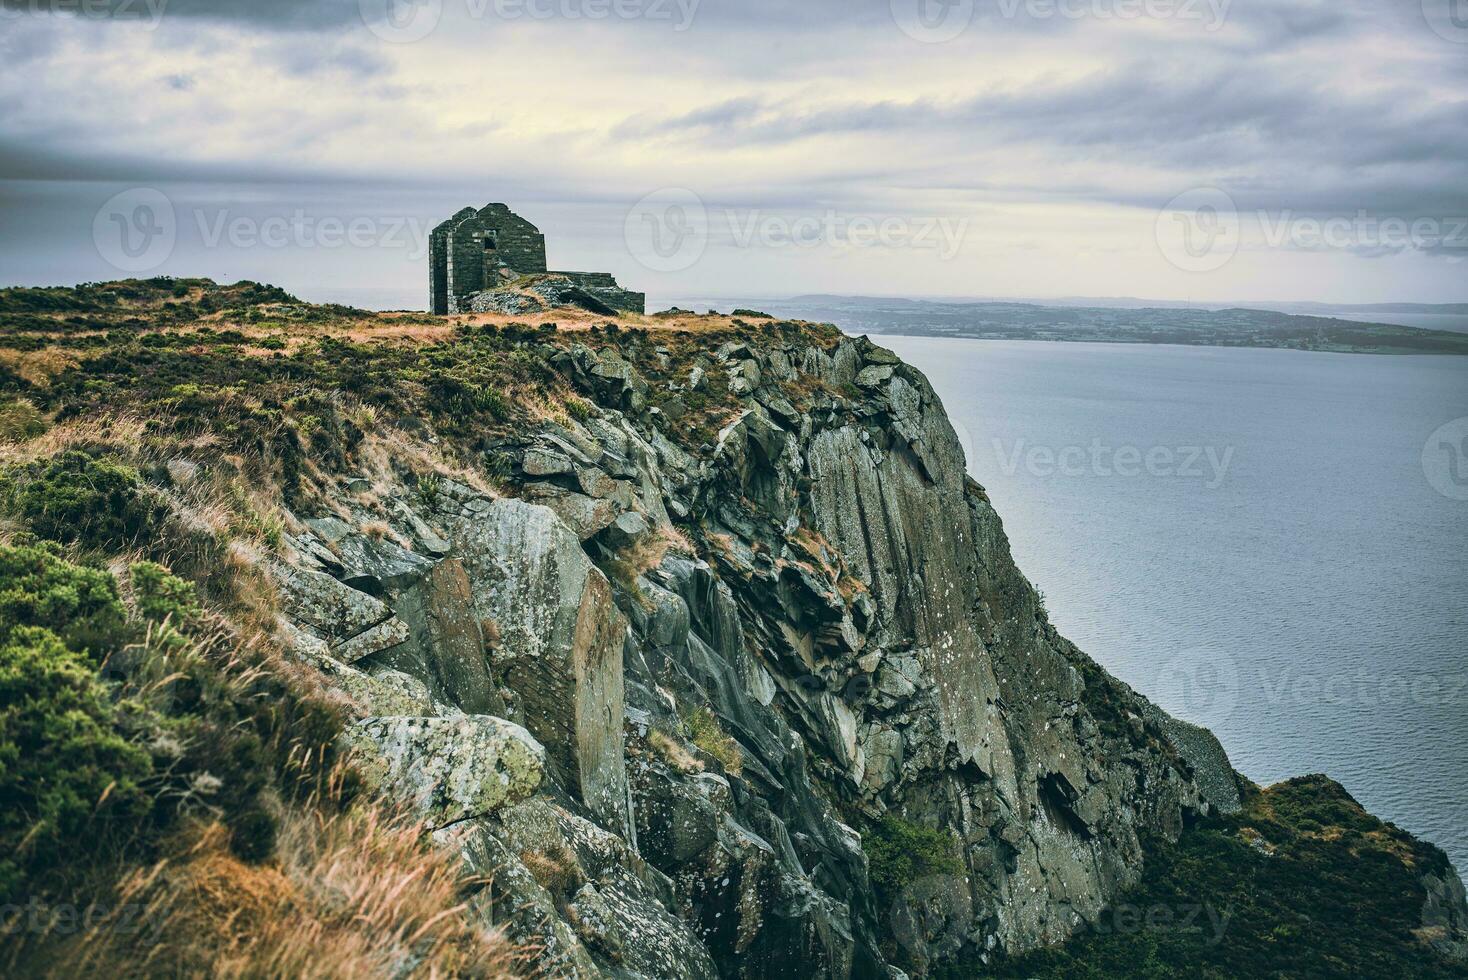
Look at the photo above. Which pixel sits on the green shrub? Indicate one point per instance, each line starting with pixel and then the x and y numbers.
pixel 69 781
pixel 159 595
pixel 98 766
pixel 901 852
pixel 79 605
pixel 76 498
pixel 1335 893
pixel 429 486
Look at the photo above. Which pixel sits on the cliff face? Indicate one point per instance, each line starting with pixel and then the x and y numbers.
pixel 692 641
pixel 837 634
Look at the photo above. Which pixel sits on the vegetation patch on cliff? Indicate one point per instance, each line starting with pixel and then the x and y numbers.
pixel 1302 883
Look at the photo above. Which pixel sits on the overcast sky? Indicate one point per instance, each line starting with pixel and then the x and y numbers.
pixel 1171 149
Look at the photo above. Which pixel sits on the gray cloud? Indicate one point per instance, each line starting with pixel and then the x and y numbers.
pixel 303 58
pixel 1273 140
pixel 284 14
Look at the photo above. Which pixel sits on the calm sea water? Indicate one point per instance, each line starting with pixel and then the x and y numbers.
pixel 1251 539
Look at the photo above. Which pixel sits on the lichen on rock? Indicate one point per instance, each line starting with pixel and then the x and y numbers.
pixel 448 769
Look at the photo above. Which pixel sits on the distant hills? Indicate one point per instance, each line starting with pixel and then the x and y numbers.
pixel 1109 321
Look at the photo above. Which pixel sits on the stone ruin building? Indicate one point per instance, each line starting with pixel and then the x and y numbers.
pixel 491 260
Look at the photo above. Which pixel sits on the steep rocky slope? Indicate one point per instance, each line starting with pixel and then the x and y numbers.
pixel 692 637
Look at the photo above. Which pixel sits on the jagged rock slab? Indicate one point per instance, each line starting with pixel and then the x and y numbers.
pixel 445 645
pixel 561 642
pixel 335 611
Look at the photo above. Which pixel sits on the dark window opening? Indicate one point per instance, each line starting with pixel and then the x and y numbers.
pixel 489 244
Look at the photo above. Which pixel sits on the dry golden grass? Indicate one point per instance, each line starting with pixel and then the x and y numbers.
pixel 384 450
pixel 555 870
pixel 543 405
pixel 673 752
pixel 414 327
pixel 125 432
pixel 38 366
pixel 490 631
pixel 676 541
pixel 646 554
pixel 352 896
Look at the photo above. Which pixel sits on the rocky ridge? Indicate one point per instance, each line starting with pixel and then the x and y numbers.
pixel 829 590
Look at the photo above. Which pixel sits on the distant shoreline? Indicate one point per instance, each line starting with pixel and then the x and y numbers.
pixel 1156 343
pixel 1178 326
